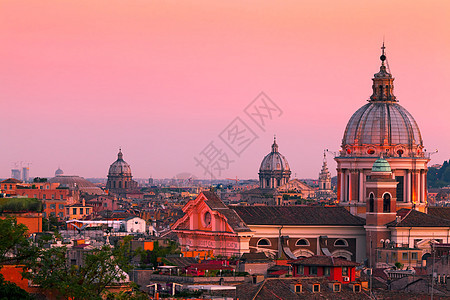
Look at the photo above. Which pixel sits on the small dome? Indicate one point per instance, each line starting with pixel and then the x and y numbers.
pixel 274 161
pixel 381 165
pixel 119 167
pixel 59 172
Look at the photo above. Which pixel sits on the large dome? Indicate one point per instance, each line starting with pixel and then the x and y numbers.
pixel 381 123
pixel 119 167
pixel 274 161
pixel 382 126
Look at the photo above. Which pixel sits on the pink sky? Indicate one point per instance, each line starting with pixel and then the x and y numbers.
pixel 162 79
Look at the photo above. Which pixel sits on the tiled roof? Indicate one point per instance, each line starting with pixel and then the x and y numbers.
pixel 213 201
pixel 234 220
pixel 322 260
pixel 254 257
pixel 441 212
pixel 414 218
pixel 11 180
pixel 283 289
pixel 297 215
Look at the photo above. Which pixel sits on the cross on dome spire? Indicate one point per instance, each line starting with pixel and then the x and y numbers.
pixel 274 145
pixel 383 83
pixel 120 155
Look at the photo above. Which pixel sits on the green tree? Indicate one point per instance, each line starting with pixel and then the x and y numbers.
pixel 10 291
pixel 100 268
pixel 15 246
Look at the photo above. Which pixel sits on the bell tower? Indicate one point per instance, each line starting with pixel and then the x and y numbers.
pixel 381 206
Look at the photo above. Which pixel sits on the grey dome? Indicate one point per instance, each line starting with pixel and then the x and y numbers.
pixel 274 161
pixel 378 122
pixel 119 167
pixel 59 172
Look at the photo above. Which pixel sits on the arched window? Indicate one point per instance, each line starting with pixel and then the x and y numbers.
pixel 371 203
pixel 302 242
pixel 386 202
pixel 263 242
pixel 340 243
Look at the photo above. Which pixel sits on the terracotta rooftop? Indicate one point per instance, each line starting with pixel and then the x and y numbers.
pixel 322 260
pixel 297 215
pixel 254 257
pixel 11 180
pixel 283 289
pixel 441 212
pixel 234 220
pixel 414 218
pixel 213 201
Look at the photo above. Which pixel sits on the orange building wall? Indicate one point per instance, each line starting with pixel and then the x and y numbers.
pixel 32 220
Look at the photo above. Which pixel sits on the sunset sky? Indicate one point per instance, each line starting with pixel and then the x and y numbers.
pixel 163 79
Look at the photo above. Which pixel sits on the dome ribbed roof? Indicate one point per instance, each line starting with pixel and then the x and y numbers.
pixel 274 161
pixel 377 122
pixel 119 167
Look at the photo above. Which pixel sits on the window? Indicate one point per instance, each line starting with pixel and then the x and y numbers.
pixel 34 196
pixel 326 271
pixel 44 197
pixel 53 196
pixel 371 203
pixel 344 271
pixel 263 242
pixel 356 288
pixel 61 215
pixel 87 210
pixel 316 288
pixel 313 270
pixel 298 288
pixel 302 242
pixel 400 184
pixel 52 214
pixel 405 255
pixel 53 206
pixel 340 243
pixel 336 287
pixel 61 206
pixel 414 256
pixel 61 197
pixel 44 206
pixel 81 210
pixel 74 211
pixel 386 203
pixel 44 214
pixel 300 270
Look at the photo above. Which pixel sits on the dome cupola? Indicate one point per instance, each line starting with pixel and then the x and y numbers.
pixel 382 126
pixel 274 170
pixel 119 167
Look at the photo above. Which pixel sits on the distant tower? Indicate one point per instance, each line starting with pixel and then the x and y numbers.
pixel 120 180
pixel 274 170
pixel 15 173
pixel 324 176
pixel 25 174
pixel 324 180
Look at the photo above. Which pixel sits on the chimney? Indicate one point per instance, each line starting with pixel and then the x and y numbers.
pixel 83 202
